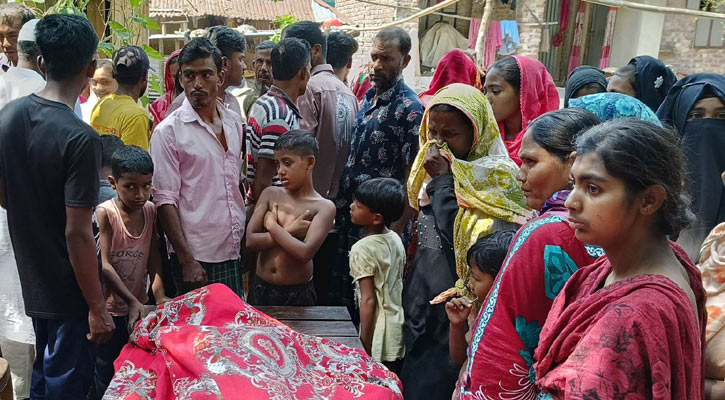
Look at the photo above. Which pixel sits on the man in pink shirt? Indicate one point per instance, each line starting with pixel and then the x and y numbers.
pixel 197 152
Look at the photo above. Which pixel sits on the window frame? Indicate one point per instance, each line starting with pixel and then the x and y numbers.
pixel 698 5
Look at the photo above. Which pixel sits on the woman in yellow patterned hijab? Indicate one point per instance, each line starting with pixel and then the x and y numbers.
pixel 484 176
pixel 463 184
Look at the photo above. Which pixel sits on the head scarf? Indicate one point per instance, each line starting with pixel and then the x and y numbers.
pixel 703 144
pixel 653 80
pixel 454 67
pixel 158 108
pixel 584 76
pixel 485 183
pixel 609 106
pixel 685 94
pixel 537 95
pixel 362 84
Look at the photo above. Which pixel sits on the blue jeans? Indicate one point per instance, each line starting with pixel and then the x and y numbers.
pixel 64 361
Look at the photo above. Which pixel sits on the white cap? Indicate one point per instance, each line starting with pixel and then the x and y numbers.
pixel 27 32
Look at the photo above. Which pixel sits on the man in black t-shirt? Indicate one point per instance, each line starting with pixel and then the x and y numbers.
pixel 49 165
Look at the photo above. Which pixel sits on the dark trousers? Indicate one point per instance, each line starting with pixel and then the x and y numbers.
pixel 107 353
pixel 264 293
pixel 63 367
pixel 324 262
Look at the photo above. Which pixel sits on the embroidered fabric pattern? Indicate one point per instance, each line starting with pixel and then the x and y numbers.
pixel 210 344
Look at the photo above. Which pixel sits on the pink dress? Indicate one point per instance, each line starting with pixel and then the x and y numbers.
pixel 129 255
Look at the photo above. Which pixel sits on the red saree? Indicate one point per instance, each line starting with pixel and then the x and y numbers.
pixel 209 344
pixel 635 339
pixel 543 255
pixel 537 95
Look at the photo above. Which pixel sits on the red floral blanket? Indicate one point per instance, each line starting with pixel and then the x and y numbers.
pixel 209 344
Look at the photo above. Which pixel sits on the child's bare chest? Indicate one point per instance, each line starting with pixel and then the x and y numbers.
pixel 290 210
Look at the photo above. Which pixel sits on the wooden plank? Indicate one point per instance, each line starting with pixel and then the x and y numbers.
pixel 323 328
pixel 317 313
pixel 353 342
pixel 658 9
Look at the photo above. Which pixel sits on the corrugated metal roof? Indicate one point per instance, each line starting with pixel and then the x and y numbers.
pixel 265 10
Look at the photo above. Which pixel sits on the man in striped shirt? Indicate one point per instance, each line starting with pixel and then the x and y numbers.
pixel 276 113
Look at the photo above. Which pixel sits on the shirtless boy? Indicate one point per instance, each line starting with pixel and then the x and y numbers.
pixel 288 226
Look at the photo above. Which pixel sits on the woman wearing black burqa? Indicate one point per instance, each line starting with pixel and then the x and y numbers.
pixel 695 106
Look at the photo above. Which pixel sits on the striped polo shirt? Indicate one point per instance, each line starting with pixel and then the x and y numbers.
pixel 271 116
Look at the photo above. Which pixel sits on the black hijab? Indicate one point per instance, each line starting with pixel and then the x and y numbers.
pixel 652 81
pixel 584 76
pixel 703 144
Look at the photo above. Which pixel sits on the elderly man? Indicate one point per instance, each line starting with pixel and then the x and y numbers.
pixel 262 65
pixel 12 17
pixel 25 77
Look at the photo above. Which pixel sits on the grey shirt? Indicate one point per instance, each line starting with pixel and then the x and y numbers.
pixel 328 109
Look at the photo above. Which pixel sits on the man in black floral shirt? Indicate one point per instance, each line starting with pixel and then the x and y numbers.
pixel 384 144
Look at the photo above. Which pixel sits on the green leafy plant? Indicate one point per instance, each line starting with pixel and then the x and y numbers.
pixel 76 7
pixel 280 23
pixel 123 25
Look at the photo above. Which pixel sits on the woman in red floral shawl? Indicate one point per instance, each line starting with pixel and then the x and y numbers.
pixel 632 325
pixel 158 108
pixel 209 344
pixel 544 254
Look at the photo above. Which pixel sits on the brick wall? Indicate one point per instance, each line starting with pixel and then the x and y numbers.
pixel 530 35
pixel 677 47
pixel 500 12
pixel 363 14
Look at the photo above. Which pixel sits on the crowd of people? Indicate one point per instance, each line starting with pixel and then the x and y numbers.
pixel 488 244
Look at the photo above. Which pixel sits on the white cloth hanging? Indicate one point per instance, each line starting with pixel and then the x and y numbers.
pixel 440 39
